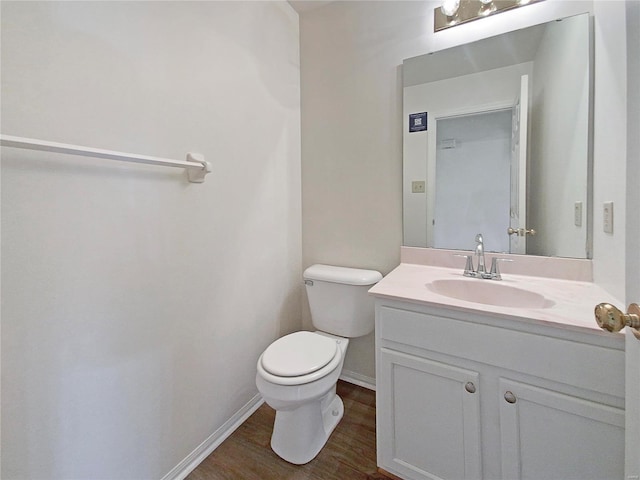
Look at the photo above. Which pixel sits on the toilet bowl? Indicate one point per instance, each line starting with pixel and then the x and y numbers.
pixel 297 374
pixel 307 407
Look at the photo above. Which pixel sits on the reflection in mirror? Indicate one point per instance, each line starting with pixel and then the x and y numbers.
pixel 478 147
pixel 506 145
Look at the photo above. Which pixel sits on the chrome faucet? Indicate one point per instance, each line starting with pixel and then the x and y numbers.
pixel 481 271
pixel 480 254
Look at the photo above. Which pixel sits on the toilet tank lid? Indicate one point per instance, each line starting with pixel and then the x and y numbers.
pixel 344 275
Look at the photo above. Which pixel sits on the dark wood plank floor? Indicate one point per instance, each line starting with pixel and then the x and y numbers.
pixel 350 453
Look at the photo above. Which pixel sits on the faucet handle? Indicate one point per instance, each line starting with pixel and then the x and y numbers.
pixel 468 268
pixel 495 271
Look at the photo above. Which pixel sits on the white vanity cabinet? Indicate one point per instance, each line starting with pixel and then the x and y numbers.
pixel 464 395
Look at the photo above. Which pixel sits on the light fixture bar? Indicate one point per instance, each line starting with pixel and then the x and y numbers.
pixel 470 10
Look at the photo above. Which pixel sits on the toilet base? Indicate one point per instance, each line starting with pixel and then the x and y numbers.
pixel 299 434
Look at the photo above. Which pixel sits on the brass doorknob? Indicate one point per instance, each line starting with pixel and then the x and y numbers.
pixel 613 319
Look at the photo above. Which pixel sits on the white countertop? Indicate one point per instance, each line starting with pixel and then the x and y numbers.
pixel 573 301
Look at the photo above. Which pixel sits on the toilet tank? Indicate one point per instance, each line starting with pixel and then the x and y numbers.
pixel 339 301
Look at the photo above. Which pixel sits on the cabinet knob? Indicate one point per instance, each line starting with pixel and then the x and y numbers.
pixel 509 397
pixel 470 387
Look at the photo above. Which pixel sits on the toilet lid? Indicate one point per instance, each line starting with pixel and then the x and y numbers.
pixel 298 353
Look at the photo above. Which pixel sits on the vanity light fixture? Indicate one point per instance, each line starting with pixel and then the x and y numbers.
pixel 456 12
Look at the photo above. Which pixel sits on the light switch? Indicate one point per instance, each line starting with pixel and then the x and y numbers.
pixel 607 217
pixel 577 214
pixel 417 186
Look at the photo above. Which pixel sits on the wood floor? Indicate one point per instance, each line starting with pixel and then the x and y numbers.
pixel 350 453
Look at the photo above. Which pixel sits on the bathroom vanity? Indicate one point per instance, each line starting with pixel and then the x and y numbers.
pixel 488 389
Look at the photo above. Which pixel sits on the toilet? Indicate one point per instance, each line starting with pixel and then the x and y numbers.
pixel 297 374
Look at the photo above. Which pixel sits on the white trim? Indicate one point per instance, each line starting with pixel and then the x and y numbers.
pixel 358 379
pixel 191 461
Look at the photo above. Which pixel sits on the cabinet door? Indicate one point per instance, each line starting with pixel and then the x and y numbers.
pixel 549 435
pixel 428 418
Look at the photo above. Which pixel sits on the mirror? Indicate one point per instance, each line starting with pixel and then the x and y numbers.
pixel 497 139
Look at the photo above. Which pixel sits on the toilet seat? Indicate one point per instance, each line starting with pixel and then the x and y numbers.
pixel 299 358
pixel 298 353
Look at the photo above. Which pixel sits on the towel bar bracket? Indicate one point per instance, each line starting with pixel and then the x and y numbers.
pixel 196 175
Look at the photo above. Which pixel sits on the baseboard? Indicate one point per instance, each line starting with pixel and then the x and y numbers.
pixel 186 466
pixel 358 379
pixel 391 476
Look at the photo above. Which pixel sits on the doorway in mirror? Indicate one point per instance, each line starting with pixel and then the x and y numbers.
pixel 472 188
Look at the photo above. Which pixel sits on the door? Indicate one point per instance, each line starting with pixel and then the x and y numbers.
pixel 547 435
pixel 518 206
pixel 632 405
pixel 472 179
pixel 430 413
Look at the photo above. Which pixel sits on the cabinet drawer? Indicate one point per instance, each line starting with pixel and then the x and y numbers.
pixel 569 362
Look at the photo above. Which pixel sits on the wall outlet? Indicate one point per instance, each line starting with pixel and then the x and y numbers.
pixel 417 186
pixel 577 214
pixel 607 217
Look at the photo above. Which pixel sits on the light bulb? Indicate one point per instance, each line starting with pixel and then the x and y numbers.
pixel 450 7
pixel 486 7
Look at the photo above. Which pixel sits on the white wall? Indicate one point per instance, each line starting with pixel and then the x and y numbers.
pixel 135 304
pixel 351 55
pixel 351 127
pixel 609 144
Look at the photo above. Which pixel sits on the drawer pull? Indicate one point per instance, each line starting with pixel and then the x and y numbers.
pixel 509 397
pixel 470 387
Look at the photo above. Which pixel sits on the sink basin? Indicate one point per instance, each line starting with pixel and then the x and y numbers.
pixel 489 292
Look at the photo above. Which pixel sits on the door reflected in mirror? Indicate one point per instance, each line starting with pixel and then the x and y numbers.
pixel 472 177
pixel 507 143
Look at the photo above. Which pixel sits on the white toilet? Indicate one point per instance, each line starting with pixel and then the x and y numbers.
pixel 297 374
